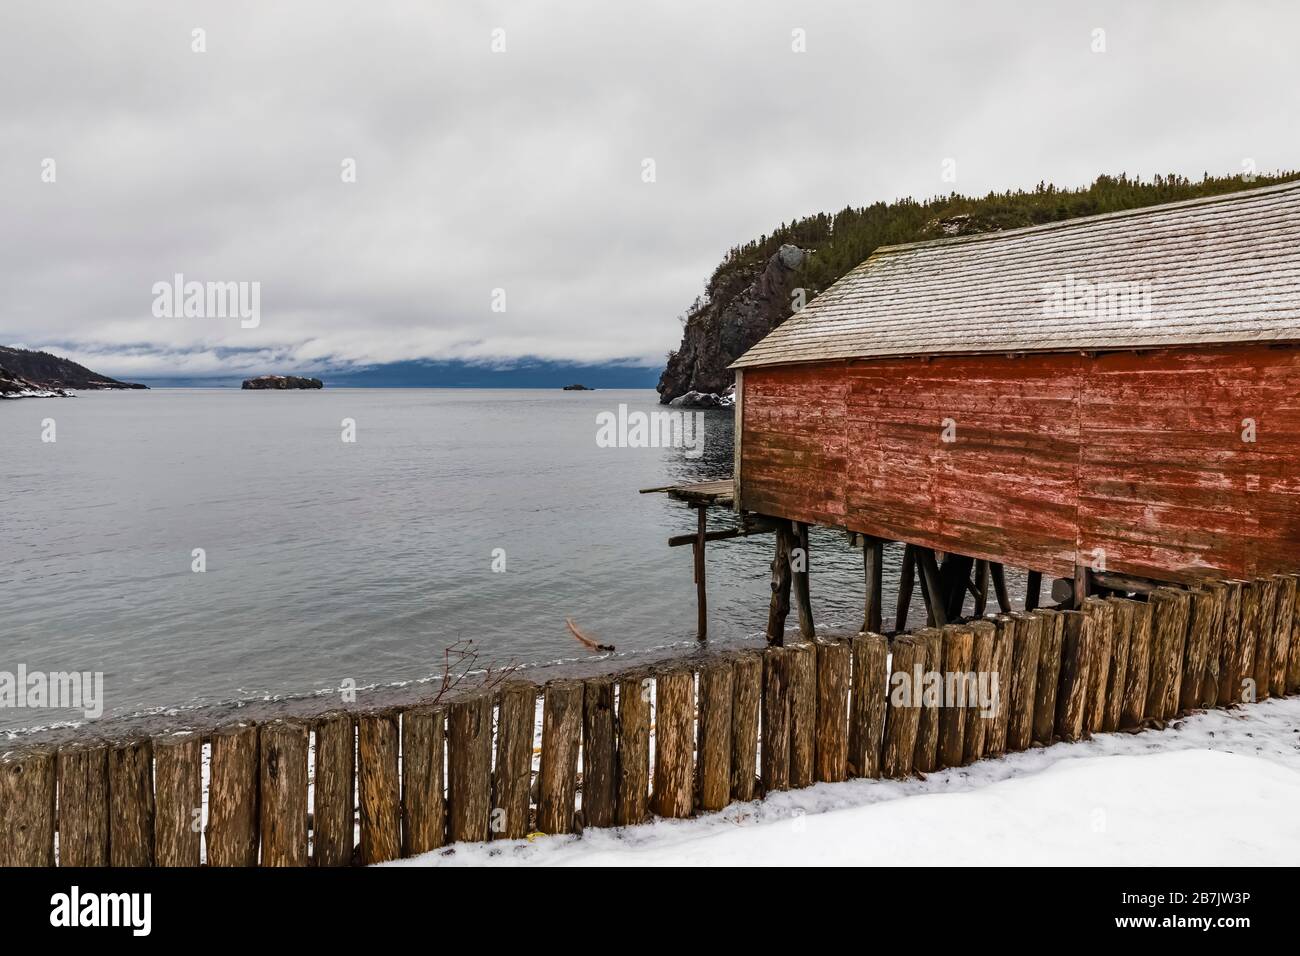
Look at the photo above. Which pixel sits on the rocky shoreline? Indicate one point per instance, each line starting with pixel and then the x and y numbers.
pixel 28 374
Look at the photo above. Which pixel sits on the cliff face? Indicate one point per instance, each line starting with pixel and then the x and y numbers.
pixel 723 328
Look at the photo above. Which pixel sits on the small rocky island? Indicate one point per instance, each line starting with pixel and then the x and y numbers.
pixel 282 382
pixel 578 388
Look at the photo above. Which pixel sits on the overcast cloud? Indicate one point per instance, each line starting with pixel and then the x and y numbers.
pixel 522 170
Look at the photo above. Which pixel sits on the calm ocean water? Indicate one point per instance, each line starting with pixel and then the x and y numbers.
pixel 329 561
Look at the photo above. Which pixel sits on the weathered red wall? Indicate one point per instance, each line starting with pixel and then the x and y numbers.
pixel 1138 454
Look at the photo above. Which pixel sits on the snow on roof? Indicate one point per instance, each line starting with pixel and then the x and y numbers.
pixel 1214 270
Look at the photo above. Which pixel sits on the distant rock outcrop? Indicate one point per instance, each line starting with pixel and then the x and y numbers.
pixel 28 374
pixel 724 328
pixel 282 382
pixel 578 388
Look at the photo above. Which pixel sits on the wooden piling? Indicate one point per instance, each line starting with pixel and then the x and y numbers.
pixel 282 807
pixel 1230 650
pixel 926 758
pixel 958 651
pixel 1117 678
pixel 1265 634
pixel 832 711
pixel 599 798
pixel 1033 589
pixel 978 721
pixel 232 797
pixel 1293 655
pixel 701 591
pixel 469 769
pixel 1049 674
pixel 512 776
pixel 334 805
pixel 869 678
pixel 27 796
pixel 1244 691
pixel 779 607
pixel 378 790
pixel 1025 653
pixel 130 803
pixel 714 771
pixel 424 795
pixel 1099 625
pixel 998 573
pixel 981 588
pixel 83 804
pixel 873 562
pixel 1004 637
pixel 178 800
pixel 674 743
pixel 746 699
pixel 633 749
pixel 561 739
pixel 803 714
pixel 1283 621
pixel 800 581
pixel 906 587
pixel 903 715
pixel 1201 622
pixel 1137 674
pixel 1171 610
pixel 1072 698
pixel 775 754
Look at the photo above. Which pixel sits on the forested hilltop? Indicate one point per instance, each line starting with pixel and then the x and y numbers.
pixel 748 294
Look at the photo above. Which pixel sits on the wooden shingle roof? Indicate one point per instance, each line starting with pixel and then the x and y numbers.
pixel 1221 269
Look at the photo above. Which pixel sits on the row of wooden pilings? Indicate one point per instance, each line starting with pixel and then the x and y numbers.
pixel 720 728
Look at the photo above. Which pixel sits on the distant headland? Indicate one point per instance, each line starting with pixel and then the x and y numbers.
pixel 28 374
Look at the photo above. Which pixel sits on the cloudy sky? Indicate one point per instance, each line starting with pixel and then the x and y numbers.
pixel 522 170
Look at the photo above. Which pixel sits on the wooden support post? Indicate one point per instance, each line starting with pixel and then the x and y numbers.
pixel 998 574
pixel 1033 589
pixel 1049 674
pixel 1099 622
pixel 1082 584
pixel 1004 667
pixel 1230 650
pixel 801 571
pixel 873 562
pixel 867 707
pixel 633 750
pixel 832 712
pixel 779 607
pixel 1283 619
pixel 954 581
pixel 469 769
pixel 130 804
pixel 599 780
pixel 701 593
pixel 978 721
pixel 1171 609
pixel 512 777
pixel 283 789
pixel 1026 654
pixel 27 797
pixel 775 762
pixel 379 790
pixel 1121 647
pixel 906 585
pixel 903 715
pixel 958 651
pixel 1214 651
pixel 746 699
pixel 932 587
pixel 714 772
pixel 1137 676
pixel 1072 697
pixel 83 805
pixel 561 738
pixel 232 797
pixel 178 800
pixel 1293 655
pixel 981 588
pixel 1264 637
pixel 334 809
pixel 424 800
pixel 926 758
pixel 1244 689
pixel 674 743
pixel 1204 610
pixel 803 714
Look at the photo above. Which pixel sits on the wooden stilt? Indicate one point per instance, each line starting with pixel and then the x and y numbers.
pixel 801 589
pixel 932 587
pixel 981 588
pixel 954 580
pixel 1033 589
pixel 906 584
pixel 701 595
pixel 1082 585
pixel 873 553
pixel 999 577
pixel 780 605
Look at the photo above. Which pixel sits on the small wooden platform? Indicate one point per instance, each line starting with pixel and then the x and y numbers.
pixel 720 492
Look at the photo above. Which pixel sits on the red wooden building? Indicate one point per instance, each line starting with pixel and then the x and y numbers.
pixel 1101 399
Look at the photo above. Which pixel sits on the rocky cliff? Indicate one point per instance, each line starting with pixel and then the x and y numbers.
pixel 722 328
pixel 24 373
pixel 279 382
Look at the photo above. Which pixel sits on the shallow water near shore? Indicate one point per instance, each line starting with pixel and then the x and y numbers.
pixel 329 561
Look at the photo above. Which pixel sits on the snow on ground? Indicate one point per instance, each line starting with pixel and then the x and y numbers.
pixel 1219 787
